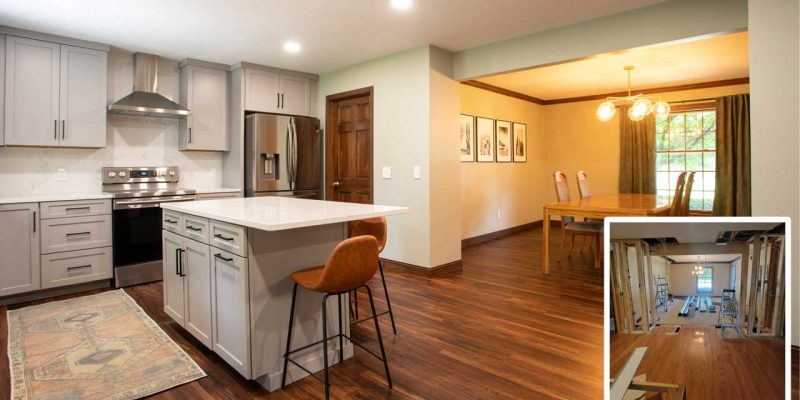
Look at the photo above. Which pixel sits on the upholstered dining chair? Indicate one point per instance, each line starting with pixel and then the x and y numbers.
pixel 570 227
pixel 675 209
pixel 687 194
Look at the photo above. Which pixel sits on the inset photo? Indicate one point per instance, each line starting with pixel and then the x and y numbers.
pixel 696 308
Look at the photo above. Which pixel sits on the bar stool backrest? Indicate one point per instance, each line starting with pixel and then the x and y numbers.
pixel 352 263
pixel 375 227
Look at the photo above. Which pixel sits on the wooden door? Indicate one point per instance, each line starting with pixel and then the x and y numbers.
pixel 198 290
pixel 294 95
pixel 174 304
pixel 83 97
pixel 348 147
pixel 32 87
pixel 19 249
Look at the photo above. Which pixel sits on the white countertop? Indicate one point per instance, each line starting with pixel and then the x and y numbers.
pixel 280 213
pixel 217 190
pixel 40 197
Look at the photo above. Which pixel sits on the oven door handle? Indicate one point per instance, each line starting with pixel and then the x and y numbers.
pixel 152 202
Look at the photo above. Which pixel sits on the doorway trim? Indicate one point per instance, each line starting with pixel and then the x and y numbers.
pixel 330 102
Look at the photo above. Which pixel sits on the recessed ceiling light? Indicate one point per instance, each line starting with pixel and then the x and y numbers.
pixel 402 4
pixel 291 46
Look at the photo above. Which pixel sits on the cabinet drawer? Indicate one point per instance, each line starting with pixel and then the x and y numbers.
pixel 79 208
pixel 195 228
pixel 73 267
pixel 76 233
pixel 229 237
pixel 172 221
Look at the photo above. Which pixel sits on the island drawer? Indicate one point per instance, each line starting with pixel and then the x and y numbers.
pixel 229 237
pixel 72 267
pixel 172 221
pixel 75 233
pixel 195 228
pixel 78 208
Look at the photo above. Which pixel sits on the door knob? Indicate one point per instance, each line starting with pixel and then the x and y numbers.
pixel 335 184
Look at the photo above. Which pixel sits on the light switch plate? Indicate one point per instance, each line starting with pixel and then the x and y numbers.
pixel 417 172
pixel 387 173
pixel 61 174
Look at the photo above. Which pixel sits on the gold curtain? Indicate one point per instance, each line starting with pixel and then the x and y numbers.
pixel 637 154
pixel 732 188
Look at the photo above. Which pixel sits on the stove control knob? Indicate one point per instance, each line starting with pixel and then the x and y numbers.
pixel 171 173
pixel 112 174
pixel 122 174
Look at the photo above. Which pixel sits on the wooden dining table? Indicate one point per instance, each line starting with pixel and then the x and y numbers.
pixel 601 206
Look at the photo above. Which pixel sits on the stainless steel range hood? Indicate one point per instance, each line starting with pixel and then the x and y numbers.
pixel 144 101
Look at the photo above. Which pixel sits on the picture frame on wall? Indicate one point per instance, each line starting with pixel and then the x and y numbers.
pixel 467 138
pixel 503 145
pixel 484 130
pixel 520 142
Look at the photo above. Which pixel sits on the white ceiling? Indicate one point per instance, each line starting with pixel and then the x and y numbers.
pixel 705 60
pixel 685 232
pixel 712 258
pixel 333 33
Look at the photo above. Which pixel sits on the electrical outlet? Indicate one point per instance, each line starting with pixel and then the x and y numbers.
pixel 61 174
pixel 417 172
pixel 387 173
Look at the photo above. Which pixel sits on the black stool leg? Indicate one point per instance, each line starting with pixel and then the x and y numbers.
pixel 380 338
pixel 341 329
pixel 325 343
pixel 289 337
pixel 355 301
pixel 386 292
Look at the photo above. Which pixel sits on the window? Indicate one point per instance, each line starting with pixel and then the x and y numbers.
pixel 705 280
pixel 687 141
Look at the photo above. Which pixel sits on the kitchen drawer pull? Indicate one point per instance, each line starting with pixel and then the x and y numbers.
pixel 79 267
pixel 78 233
pixel 87 208
pixel 219 235
pixel 223 258
pixel 169 221
pixel 192 228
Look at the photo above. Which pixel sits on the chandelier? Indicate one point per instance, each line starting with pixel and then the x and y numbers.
pixel 698 269
pixel 641 105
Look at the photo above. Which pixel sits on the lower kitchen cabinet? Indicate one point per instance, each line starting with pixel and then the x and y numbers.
pixel 231 310
pixel 19 248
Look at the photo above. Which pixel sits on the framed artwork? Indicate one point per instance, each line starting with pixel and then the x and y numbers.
pixel 503 138
pixel 520 141
pixel 484 128
pixel 467 138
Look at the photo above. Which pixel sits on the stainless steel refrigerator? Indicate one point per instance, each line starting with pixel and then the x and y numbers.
pixel 283 156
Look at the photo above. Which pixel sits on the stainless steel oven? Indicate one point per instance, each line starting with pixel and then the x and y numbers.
pixel 138 194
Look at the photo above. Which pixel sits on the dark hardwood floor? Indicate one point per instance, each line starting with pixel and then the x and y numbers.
pixel 499 329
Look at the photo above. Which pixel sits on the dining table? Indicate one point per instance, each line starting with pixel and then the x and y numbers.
pixel 601 206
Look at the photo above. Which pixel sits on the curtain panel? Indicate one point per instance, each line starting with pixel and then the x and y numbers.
pixel 637 154
pixel 732 187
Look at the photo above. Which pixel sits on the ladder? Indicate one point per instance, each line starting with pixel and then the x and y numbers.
pixel 728 314
pixel 662 287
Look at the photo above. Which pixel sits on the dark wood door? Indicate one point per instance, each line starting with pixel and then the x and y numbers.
pixel 348 147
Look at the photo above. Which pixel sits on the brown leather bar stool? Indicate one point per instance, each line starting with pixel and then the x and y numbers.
pixel 375 227
pixel 350 266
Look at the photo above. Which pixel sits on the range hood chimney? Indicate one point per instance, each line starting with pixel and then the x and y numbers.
pixel 144 101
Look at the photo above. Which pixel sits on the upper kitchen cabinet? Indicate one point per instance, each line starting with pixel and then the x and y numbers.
pixel 55 94
pixel 204 91
pixel 278 91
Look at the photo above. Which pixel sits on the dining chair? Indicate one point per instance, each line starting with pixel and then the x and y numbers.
pixel 585 191
pixel 675 209
pixel 568 224
pixel 687 193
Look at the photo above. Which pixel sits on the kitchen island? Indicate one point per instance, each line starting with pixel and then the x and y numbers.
pixel 227 276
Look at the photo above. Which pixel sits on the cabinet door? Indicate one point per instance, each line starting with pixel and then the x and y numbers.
pixel 83 97
pixel 261 91
pixel 19 249
pixel 198 290
pixel 207 98
pixel 294 92
pixel 231 310
pixel 174 297
pixel 32 86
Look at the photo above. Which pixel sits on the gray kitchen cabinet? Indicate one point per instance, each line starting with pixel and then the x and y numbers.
pixel 295 95
pixel 173 286
pixel 204 91
pixel 274 92
pixel 55 94
pixel 2 90
pixel 19 248
pixel 76 233
pixel 73 267
pixel 231 310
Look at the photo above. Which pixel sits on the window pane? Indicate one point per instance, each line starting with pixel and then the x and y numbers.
pixel 692 123
pixel 673 179
pixel 677 141
pixel 694 161
pixel 676 123
pixel 709 180
pixel 661 124
pixel 697 186
pixel 677 161
pixel 662 162
pixel 695 204
pixel 708 201
pixel 710 140
pixel 662 180
pixel 664 192
pixel 709 120
pixel 662 141
pixel 709 161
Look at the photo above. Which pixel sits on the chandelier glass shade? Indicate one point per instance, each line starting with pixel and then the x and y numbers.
pixel 698 269
pixel 640 105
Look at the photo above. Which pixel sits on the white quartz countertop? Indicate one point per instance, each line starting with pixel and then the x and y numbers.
pixel 280 213
pixel 217 190
pixel 41 197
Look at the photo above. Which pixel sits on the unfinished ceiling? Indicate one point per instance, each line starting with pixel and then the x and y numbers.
pixel 699 61
pixel 710 258
pixel 685 232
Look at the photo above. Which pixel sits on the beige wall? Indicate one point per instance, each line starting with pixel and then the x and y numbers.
pixel 660 266
pixel 515 190
pixel 683 283
pixel 774 65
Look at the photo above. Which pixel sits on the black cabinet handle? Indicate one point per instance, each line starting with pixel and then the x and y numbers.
pixel 69 209
pixel 169 221
pixel 34 221
pixel 192 228
pixel 219 235
pixel 223 258
pixel 63 128
pixel 55 129
pixel 79 267
pixel 190 135
pixel 278 99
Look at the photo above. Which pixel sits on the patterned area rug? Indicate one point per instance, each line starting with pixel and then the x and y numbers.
pixel 101 346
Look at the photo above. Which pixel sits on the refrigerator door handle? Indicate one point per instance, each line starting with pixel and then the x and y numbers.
pixel 294 153
pixel 290 172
